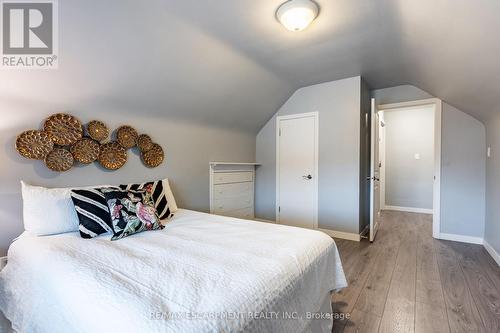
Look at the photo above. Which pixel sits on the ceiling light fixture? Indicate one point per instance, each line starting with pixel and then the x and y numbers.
pixel 296 15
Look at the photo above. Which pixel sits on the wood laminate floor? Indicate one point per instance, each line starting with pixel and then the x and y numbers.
pixel 406 281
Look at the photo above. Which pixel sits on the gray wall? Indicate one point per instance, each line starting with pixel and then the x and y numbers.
pixel 463 157
pixel 188 149
pixel 492 227
pixel 463 178
pixel 338 104
pixel 408 181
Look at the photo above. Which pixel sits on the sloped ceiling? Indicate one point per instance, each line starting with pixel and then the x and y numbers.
pixel 230 63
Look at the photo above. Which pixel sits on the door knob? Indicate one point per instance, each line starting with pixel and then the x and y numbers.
pixel 307 177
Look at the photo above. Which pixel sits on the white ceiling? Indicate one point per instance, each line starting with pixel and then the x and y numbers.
pixel 230 63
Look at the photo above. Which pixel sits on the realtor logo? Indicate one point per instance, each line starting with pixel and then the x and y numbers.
pixel 29 34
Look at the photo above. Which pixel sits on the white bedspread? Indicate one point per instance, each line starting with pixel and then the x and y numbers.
pixel 202 273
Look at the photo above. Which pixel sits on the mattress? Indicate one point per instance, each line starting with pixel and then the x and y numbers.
pixel 202 273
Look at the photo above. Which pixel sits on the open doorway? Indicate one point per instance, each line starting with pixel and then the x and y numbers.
pixel 409 157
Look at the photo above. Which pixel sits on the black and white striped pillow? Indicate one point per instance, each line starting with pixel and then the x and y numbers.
pixel 92 211
pixel 158 195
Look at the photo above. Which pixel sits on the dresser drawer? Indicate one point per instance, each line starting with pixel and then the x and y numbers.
pixel 232 177
pixel 221 191
pixel 245 213
pixel 233 203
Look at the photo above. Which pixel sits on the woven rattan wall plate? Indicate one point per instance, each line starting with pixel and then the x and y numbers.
pixel 34 144
pixel 85 150
pixel 97 130
pixel 126 136
pixel 144 142
pixel 153 157
pixel 64 129
pixel 59 160
pixel 112 156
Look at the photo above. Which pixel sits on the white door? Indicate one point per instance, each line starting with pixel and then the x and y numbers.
pixel 375 173
pixel 297 170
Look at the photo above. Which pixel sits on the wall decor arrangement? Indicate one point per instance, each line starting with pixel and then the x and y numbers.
pixel 64 140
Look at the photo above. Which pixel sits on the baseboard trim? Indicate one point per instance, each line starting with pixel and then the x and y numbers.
pixel 329 232
pixel 409 209
pixel 493 253
pixel 3 262
pixel 341 234
pixel 264 220
pixel 461 238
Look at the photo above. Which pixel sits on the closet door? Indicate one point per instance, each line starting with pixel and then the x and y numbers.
pixel 297 170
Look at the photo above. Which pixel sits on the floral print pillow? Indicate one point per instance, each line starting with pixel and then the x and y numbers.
pixel 131 211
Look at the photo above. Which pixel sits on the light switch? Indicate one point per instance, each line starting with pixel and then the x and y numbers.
pixel 488 152
pixel 417 156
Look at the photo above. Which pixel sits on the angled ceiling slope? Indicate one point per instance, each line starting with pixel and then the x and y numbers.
pixel 230 63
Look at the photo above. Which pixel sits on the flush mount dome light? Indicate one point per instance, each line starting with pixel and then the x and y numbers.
pixel 296 15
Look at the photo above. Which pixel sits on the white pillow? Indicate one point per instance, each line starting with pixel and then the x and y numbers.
pixel 49 211
pixel 172 205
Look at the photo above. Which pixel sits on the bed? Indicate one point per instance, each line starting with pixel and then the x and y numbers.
pixel 202 273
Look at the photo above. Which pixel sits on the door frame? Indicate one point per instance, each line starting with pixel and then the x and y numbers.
pixel 381 152
pixel 374 215
pixel 436 193
pixel 314 115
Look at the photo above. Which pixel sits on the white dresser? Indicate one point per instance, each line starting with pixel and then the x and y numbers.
pixel 232 189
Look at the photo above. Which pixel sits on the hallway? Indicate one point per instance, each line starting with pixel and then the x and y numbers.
pixel 406 281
